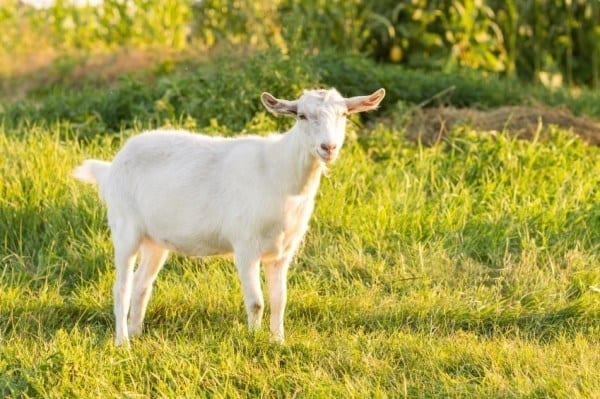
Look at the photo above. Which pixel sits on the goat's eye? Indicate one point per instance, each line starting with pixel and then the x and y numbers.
pixel 302 117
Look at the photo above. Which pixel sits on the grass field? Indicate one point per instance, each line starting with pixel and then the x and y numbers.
pixel 468 269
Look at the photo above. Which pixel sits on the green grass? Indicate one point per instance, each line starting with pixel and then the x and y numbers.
pixel 468 269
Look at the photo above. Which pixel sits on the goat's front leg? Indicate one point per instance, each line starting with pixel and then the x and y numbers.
pixel 248 267
pixel 276 276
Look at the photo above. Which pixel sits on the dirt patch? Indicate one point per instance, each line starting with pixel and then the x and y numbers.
pixel 430 125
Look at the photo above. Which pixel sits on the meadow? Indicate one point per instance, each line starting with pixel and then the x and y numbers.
pixel 469 268
pixel 465 269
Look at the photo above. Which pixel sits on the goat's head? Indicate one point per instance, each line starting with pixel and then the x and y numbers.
pixel 321 115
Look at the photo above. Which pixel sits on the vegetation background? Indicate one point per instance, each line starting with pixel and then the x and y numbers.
pixel 468 268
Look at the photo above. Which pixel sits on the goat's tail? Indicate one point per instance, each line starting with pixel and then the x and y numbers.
pixel 92 171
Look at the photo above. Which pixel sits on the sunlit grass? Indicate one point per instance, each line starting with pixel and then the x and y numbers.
pixel 469 269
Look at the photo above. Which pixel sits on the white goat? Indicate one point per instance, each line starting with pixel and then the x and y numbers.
pixel 199 195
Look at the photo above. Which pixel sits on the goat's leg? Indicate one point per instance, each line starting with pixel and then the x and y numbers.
pixel 152 258
pixel 248 267
pixel 126 245
pixel 276 277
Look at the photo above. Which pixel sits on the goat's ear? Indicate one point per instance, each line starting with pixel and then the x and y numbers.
pixel 277 106
pixel 365 103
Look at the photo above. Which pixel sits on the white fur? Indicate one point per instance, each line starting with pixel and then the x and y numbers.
pixel 199 195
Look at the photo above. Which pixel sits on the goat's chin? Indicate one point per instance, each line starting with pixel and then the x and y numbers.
pixel 326 158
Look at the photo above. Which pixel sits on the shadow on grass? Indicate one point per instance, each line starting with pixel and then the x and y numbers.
pixel 580 316
pixel 43 321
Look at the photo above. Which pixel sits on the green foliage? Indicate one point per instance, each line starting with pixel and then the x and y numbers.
pixel 538 40
pixel 113 23
pixel 533 39
pixel 197 95
pixel 325 24
pixel 246 22
pixel 554 37
pixel 440 33
pixel 200 96
pixel 283 24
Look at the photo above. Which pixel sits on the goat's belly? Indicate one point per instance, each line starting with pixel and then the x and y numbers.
pixel 198 246
pixel 187 226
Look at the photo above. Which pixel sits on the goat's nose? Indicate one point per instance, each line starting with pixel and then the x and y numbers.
pixel 328 147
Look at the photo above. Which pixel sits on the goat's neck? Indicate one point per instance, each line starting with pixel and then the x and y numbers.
pixel 303 171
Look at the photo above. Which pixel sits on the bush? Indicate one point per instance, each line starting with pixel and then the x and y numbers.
pixel 224 93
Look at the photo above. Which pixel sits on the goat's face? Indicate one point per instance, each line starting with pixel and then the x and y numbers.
pixel 321 116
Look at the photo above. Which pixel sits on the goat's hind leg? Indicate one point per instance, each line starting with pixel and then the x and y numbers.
pixel 126 243
pixel 152 258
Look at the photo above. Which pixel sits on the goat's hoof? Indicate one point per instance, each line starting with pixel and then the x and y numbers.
pixel 123 345
pixel 122 342
pixel 278 338
pixel 134 331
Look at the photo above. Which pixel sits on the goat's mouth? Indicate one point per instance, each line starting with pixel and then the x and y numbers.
pixel 326 157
